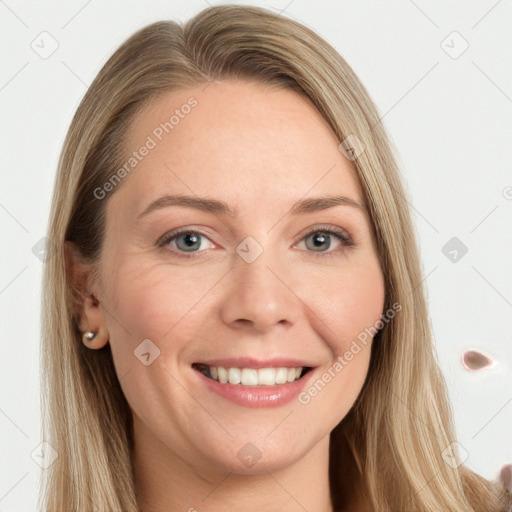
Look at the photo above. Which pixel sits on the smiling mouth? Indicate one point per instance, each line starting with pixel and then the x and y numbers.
pixel 252 376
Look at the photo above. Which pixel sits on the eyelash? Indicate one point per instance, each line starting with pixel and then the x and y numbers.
pixel 342 236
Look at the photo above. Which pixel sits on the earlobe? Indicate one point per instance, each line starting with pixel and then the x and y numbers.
pixel 95 339
pixel 96 335
pixel 88 311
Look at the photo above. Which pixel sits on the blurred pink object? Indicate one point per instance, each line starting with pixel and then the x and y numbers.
pixel 506 476
pixel 474 360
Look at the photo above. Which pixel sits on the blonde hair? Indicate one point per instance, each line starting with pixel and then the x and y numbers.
pixel 401 422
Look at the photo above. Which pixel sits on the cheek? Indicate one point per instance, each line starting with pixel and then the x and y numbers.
pixel 350 303
pixel 150 298
pixel 149 302
pixel 155 302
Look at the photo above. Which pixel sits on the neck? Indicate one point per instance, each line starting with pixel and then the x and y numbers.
pixel 348 483
pixel 165 482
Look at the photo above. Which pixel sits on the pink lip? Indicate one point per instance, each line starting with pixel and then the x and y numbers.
pixel 257 396
pixel 249 362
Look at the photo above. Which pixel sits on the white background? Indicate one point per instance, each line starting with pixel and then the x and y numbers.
pixel 449 118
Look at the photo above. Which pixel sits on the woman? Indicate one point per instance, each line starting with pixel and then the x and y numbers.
pixel 236 318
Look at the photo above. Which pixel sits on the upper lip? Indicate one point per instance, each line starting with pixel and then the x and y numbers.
pixel 250 362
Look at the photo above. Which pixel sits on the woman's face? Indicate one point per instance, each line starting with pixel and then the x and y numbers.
pixel 258 283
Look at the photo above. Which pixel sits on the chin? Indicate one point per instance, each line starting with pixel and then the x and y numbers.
pixel 244 457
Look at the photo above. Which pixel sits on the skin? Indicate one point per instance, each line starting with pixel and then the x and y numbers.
pixel 260 150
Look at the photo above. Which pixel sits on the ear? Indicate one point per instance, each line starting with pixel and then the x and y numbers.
pixel 89 314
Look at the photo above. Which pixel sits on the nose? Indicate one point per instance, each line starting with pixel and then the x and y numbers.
pixel 260 295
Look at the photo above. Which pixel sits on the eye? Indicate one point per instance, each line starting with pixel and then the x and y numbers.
pixel 320 240
pixel 184 240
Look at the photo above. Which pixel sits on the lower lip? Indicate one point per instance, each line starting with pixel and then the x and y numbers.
pixel 257 396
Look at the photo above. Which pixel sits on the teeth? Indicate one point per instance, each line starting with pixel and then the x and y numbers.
pixel 281 375
pixel 234 376
pixel 222 374
pixel 251 376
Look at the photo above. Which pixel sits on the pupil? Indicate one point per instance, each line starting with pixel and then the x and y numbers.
pixel 322 239
pixel 191 239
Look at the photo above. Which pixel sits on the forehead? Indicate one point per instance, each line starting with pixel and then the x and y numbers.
pixel 238 141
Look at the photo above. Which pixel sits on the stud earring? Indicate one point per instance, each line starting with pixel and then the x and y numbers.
pixel 89 335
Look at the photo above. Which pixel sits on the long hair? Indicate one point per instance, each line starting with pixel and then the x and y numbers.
pixel 401 424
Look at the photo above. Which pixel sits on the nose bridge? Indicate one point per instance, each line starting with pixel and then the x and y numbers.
pixel 253 266
pixel 258 293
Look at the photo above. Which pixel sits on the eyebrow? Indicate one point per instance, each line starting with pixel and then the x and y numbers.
pixel 217 207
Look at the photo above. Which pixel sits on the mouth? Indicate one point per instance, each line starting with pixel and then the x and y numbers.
pixel 252 376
